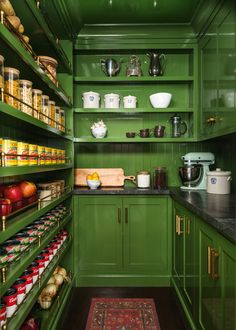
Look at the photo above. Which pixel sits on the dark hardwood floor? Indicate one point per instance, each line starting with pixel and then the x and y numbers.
pixel 167 307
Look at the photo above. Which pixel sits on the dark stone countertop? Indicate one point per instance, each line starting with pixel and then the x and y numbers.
pixel 119 191
pixel 217 210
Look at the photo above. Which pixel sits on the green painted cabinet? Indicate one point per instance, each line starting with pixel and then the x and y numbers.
pixel 216 283
pixel 184 256
pixel 123 237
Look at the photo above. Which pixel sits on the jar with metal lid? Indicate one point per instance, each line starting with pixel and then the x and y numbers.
pixel 1 71
pixel 57 118
pixel 143 179
pixel 37 102
pixel 51 113
pixel 26 96
pixel 11 86
pixel 44 115
pixel 62 120
pixel 49 66
pixel 159 181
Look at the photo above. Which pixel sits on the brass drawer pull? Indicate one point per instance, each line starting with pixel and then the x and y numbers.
pixel 178 220
pixel 211 120
pixel 209 261
pixel 119 215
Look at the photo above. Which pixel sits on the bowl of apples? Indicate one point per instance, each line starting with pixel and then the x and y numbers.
pixel 93 180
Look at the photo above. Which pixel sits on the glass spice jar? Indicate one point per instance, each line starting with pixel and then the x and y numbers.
pixel 26 96
pixel 37 102
pixel 51 113
pixel 44 115
pixel 11 86
pixel 160 179
pixel 1 71
pixel 62 120
pixel 57 118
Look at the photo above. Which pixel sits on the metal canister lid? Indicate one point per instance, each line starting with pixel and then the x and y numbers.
pixel 218 172
pixel 144 172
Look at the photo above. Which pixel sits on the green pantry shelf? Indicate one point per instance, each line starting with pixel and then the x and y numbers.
pixel 14 48
pixel 127 80
pixel 132 111
pixel 132 140
pixel 20 170
pixel 25 308
pixel 13 225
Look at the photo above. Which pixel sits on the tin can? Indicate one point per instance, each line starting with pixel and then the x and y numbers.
pixel 20 286
pixel 28 276
pixel 10 300
pixel 48 156
pixel 23 152
pixel 54 155
pixel 63 158
pixel 41 155
pixel 33 154
pixel 10 150
pixel 3 315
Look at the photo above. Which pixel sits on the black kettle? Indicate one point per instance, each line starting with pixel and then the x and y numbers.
pixel 157 64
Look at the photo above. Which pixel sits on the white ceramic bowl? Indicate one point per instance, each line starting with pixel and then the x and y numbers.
pixel 160 100
pixel 99 132
pixel 93 184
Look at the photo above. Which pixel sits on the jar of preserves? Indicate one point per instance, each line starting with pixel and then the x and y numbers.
pixel 57 118
pixel 62 120
pixel 44 115
pixel 49 66
pixel 23 154
pixel 37 102
pixel 52 113
pixel 160 178
pixel 11 86
pixel 26 96
pixel 1 71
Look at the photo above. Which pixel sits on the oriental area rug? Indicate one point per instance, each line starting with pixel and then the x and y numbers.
pixel 122 314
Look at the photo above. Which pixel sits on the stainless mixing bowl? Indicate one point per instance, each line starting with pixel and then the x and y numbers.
pixel 190 174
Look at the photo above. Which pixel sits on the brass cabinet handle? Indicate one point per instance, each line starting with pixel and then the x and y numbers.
pixel 214 257
pixel 211 120
pixel 126 215
pixel 209 261
pixel 119 215
pixel 178 220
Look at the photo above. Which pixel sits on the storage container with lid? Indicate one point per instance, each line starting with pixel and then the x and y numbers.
pixel 25 87
pixel 37 102
pixel 57 118
pixel 1 71
pixel 49 66
pixel 44 115
pixel 112 101
pixel 62 120
pixel 91 100
pixel 159 180
pixel 143 179
pixel 45 191
pixel 11 86
pixel 218 182
pixel 52 114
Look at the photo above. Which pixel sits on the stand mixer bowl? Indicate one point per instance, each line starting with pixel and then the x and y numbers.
pixel 190 174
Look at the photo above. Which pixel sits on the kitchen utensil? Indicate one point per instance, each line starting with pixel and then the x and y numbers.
pixel 159 131
pixel 134 68
pixel 110 66
pixel 129 101
pixel 178 127
pixel 112 101
pixel 130 134
pixel 159 181
pixel 157 64
pixel 109 177
pixel 193 173
pixel 143 179
pixel 160 100
pixel 91 100
pixel 218 182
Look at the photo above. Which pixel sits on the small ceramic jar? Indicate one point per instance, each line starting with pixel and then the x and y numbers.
pixel 143 179
pixel 112 101
pixel 129 101
pixel 91 100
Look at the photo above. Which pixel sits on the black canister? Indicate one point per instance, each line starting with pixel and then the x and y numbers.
pixel 160 178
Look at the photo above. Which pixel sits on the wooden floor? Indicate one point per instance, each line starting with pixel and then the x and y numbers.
pixel 168 311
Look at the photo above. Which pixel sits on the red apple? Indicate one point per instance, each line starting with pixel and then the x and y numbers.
pixel 17 205
pixel 13 192
pixel 5 206
pixel 28 188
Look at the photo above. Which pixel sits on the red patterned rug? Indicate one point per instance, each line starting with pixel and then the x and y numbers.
pixel 122 314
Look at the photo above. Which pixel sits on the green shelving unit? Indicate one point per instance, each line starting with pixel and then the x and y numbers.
pixel 21 170
pixel 132 111
pixel 127 80
pixel 131 140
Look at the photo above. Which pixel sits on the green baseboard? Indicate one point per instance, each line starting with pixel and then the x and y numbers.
pixel 122 280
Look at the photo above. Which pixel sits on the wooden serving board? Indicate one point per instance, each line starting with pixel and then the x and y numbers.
pixel 110 177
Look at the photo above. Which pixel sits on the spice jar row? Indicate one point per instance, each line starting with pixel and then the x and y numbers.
pixel 19 94
pixel 18 153
pixel 16 294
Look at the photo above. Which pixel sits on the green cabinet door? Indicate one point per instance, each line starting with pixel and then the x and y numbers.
pixel 146 238
pixel 100 234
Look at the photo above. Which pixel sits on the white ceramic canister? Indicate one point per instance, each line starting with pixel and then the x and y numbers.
pixel 91 100
pixel 129 101
pixel 112 101
pixel 218 182
pixel 143 179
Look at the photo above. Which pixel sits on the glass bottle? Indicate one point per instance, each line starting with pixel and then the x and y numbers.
pixel 160 179
pixel 11 86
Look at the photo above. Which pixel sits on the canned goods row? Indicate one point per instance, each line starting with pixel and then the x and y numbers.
pixel 18 153
pixel 19 94
pixel 15 295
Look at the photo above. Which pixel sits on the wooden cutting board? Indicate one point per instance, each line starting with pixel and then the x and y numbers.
pixel 110 177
